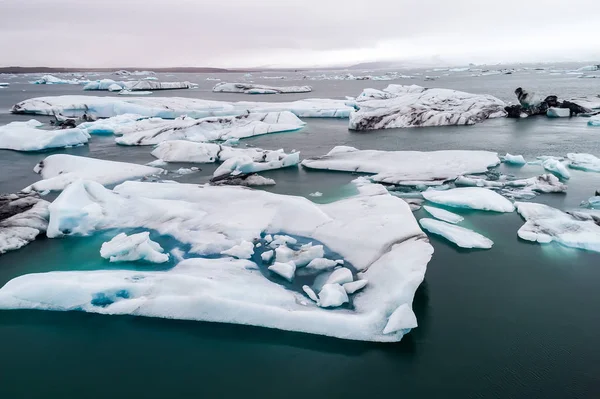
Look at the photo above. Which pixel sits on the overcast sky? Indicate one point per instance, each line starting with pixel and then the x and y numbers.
pixel 249 33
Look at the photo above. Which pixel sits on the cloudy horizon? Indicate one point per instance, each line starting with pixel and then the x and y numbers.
pixel 311 33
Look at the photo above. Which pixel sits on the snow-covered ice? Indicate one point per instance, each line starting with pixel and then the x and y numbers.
pixel 246 165
pixel 557 167
pixel 514 159
pixel 285 270
pixel 123 248
pixel 22 218
pixel 402 318
pixel 586 162
pixel 53 80
pixel 318 265
pixel 395 167
pixel 472 198
pixel 140 85
pixel 340 276
pixel 332 295
pixel 443 214
pixel 354 286
pixel 460 236
pixel 104 84
pixel 60 170
pixel 250 88
pixel 400 106
pixel 244 250
pixel 28 136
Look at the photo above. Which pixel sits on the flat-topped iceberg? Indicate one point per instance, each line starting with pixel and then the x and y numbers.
pixel 53 80
pixel 594 121
pixel 139 85
pixel 400 106
pixel 22 218
pixel 250 88
pixel 60 170
pixel 394 167
pixel 470 197
pixel 28 136
pixel 443 214
pixel 545 224
pixel 173 107
pixel 586 162
pixel 104 84
pixel 124 248
pixel 373 231
pixel 460 236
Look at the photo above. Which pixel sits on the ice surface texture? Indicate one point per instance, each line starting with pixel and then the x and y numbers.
pixel 460 236
pixel 134 247
pixel 22 218
pixel 28 136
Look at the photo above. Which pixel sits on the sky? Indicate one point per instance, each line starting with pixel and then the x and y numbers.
pixel 291 33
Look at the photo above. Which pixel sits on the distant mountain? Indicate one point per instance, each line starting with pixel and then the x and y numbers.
pixel 19 69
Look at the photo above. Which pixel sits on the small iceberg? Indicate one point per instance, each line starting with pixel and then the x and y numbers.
pixel 124 248
pixel 585 162
pixel 53 80
pixel 249 88
pixel 443 214
pixel 472 198
pixel 514 159
pixel 557 167
pixel 22 218
pixel 460 236
pixel 28 136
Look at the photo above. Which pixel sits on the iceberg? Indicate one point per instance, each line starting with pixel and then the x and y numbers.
pixel 374 232
pixel 332 295
pixel 250 88
pixel 400 106
pixel 514 159
pixel 53 80
pixel 340 276
pixel 60 170
pixel 285 270
pixel 243 180
pixel 246 165
pixel 104 84
pixel 471 198
pixel 558 112
pixel 460 236
pixel 173 107
pixel 354 286
pixel 395 167
pixel 594 121
pixel 586 162
pixel 477 182
pixel 547 183
pixel 244 250
pixel 139 85
pixel 134 93
pixel 28 136
pixel 22 218
pixel 443 215
pixel 123 248
pixel 318 265
pixel 124 72
pixel 557 167
pixel 545 224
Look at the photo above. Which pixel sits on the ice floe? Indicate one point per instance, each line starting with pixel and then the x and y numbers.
pixel 585 162
pixel 460 236
pixel 60 170
pixel 400 106
pixel 285 270
pixel 140 85
pixel 244 250
pixel 53 80
pixel 251 180
pixel 557 167
pixel 514 159
pixel 250 88
pixel 332 295
pixel 394 167
pixel 22 218
pixel 124 248
pixel 443 214
pixel 104 84
pixel 471 198
pixel 355 286
pixel 28 136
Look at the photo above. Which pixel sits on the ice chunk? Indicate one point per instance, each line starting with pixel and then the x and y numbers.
pixel 594 121
pixel 302 257
pixel 186 171
pixel 316 194
pixel 244 250
pixel 267 256
pixel 246 165
pixel 460 236
pixel 173 107
pixel 135 247
pixel 115 87
pixel 104 84
pixel 134 93
pixel 412 106
pixel 545 224
pixel 354 286
pixel 395 167
pixel 244 180
pixel 22 218
pixel 250 88
pixel 332 296
pixel 340 276
pixel 402 318
pixel 587 162
pixel 477 182
pixel 60 170
pixel 53 80
pixel 317 266
pixel 311 294
pixel 280 240
pixel 145 85
pixel 558 112
pixel 472 198
pixel 514 159
pixel 285 270
pixel 444 215
pixel 556 167
pixel 28 136
pixel 547 183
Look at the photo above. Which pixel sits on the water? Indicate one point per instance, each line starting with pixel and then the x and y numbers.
pixel 518 321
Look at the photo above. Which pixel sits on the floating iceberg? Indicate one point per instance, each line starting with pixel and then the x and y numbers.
pixel 471 198
pixel 173 107
pixel 285 270
pixel 394 167
pixel 22 218
pixel 587 162
pixel 123 248
pixel 53 80
pixel 124 72
pixel 27 136
pixel 557 167
pixel 558 112
pixel 594 121
pixel 250 88
pixel 242 251
pixel 460 236
pixel 60 170
pixel 134 93
pixel 104 84
pixel 514 159
pixel 140 85
pixel 332 295
pixel 374 231
pixel 4 84
pixel 443 214
pixel 400 106
pixel 477 182
pixel 251 180
pixel 246 165
pixel 545 224
pixel 547 183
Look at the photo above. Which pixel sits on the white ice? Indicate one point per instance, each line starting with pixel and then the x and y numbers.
pixel 354 286
pixel 123 248
pixel 586 162
pixel 267 256
pixel 23 227
pixel 28 136
pixel 246 165
pixel 594 121
pixel 285 270
pixel 472 198
pixel 460 236
pixel 557 167
pixel 104 84
pixel 558 112
pixel 332 295
pixel 316 194
pixel 250 88
pixel 395 167
pixel 340 276
pixel 514 159
pixel 402 318
pixel 53 80
pixel 140 85
pixel 317 266
pixel 244 250
pixel 443 214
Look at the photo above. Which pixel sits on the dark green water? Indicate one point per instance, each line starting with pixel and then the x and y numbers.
pixel 517 321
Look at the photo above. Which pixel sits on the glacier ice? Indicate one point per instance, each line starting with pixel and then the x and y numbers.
pixel 443 214
pixel 310 293
pixel 332 295
pixel 399 106
pixel 395 167
pixel 340 276
pixel 246 165
pixel 557 167
pixel 460 236
pixel 243 180
pixel 60 170
pixel 514 159
pixel 316 194
pixel 373 231
pixel 354 286
pixel 22 218
pixel 28 136
pixel 586 162
pixel 134 93
pixel 477 182
pixel 472 198
pixel 123 248
pixel 53 80
pixel 267 256
pixel 285 270
pixel 104 84
pixel 250 88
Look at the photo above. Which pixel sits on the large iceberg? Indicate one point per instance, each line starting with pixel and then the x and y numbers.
pixel 400 106
pixel 394 167
pixel 250 88
pixel 140 85
pixel 27 136
pixel 53 80
pixel 22 218
pixel 373 231
pixel 471 198
pixel 460 236
pixel 545 224
pixel 60 170
pixel 124 248
pixel 104 84
pixel 173 107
